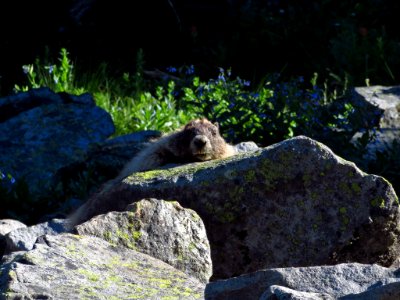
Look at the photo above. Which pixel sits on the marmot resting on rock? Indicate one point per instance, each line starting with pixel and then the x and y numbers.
pixel 199 140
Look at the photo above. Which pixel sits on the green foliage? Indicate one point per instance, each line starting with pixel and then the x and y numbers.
pixel 274 111
pixel 58 77
pixel 229 102
pixel 131 106
pixel 156 111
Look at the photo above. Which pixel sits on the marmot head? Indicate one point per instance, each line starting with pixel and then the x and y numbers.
pixel 205 141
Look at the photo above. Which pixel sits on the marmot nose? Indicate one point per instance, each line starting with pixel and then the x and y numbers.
pixel 200 141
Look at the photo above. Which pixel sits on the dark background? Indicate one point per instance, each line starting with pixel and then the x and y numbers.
pixel 253 37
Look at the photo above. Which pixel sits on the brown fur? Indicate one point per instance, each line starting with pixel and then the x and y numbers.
pixel 199 140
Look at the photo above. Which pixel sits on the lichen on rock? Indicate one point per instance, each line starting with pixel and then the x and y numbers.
pixel 73 267
pixel 162 229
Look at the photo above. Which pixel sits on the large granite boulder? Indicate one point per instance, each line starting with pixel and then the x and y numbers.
pixel 343 281
pixel 292 204
pixel 80 267
pixel 43 132
pixel 164 230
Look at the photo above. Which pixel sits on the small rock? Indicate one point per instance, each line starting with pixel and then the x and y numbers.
pixel 161 229
pixel 276 292
pixel 24 238
pixel 381 102
pixel 246 147
pixel 8 225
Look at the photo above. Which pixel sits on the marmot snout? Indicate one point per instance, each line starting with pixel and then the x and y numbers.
pixel 201 147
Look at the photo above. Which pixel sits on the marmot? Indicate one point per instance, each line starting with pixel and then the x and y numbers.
pixel 199 140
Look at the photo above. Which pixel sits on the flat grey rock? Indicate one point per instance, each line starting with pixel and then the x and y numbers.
pixel 342 281
pixel 81 267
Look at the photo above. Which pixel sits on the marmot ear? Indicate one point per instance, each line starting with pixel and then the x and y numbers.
pixel 190 124
pixel 216 124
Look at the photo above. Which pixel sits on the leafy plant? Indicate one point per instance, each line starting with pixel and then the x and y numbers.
pixel 58 77
pixel 131 106
pixel 230 103
pixel 146 111
pixel 274 111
